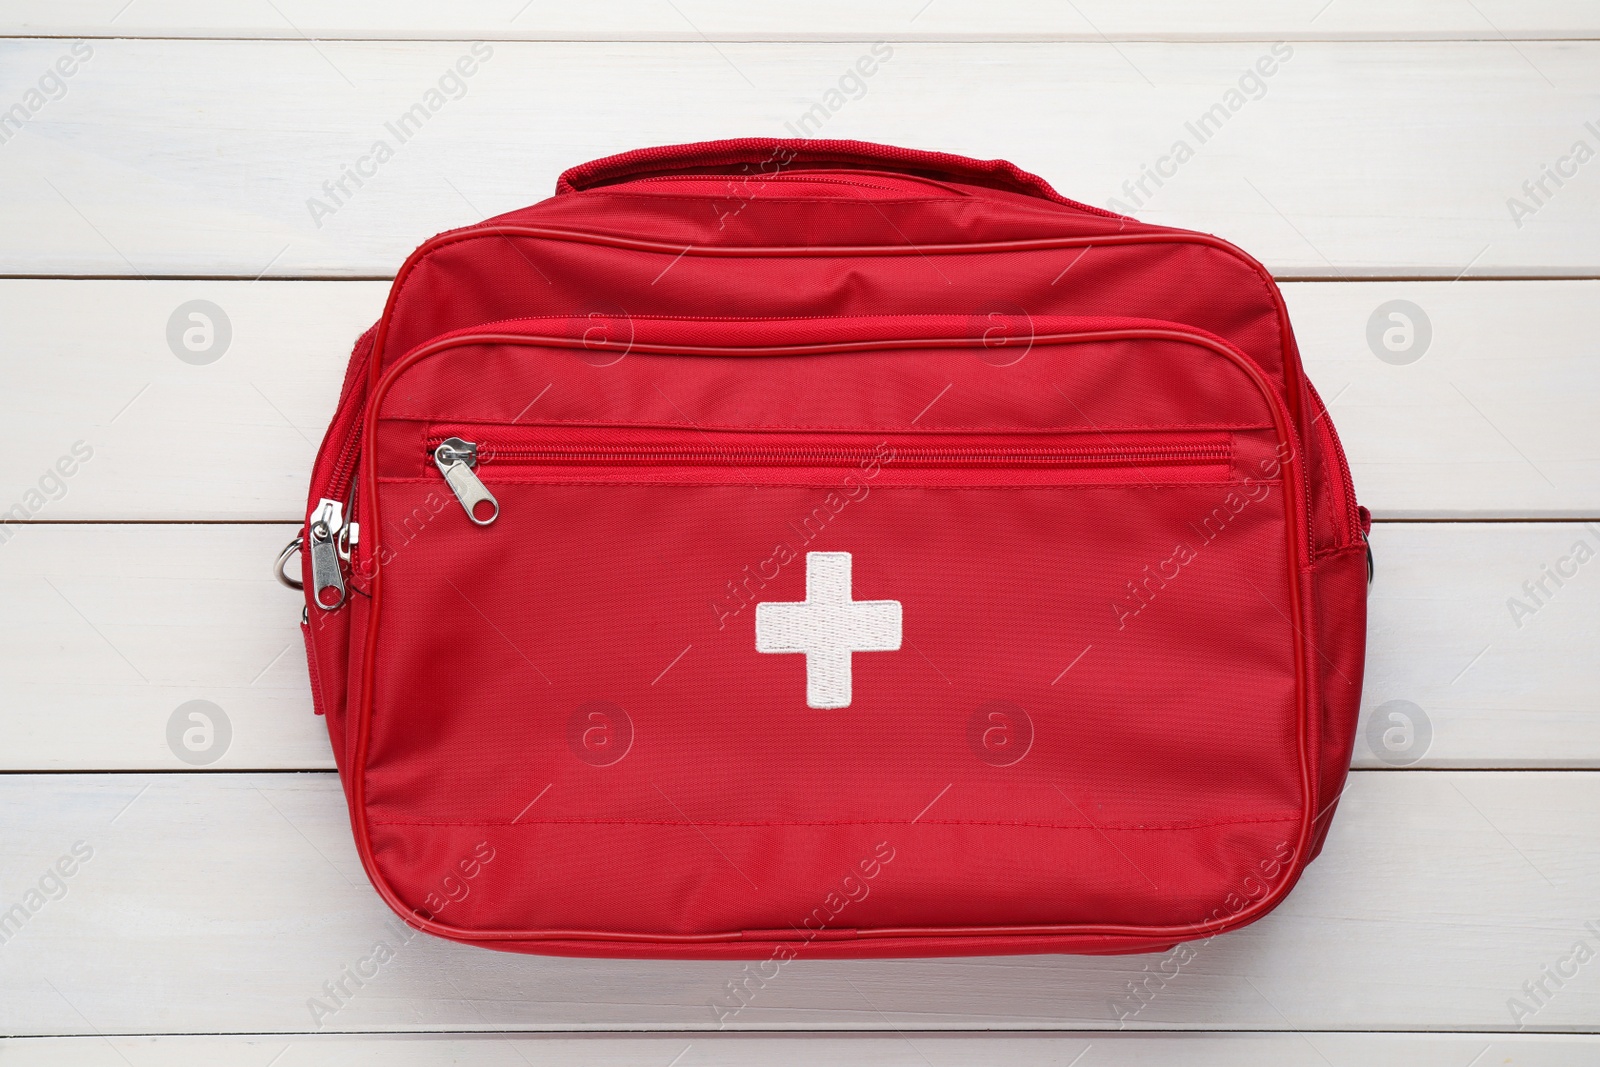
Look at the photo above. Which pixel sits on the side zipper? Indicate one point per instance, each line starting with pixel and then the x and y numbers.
pixel 1358 520
pixel 328 538
pixel 324 534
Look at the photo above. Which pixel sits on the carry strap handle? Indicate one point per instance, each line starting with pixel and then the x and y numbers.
pixel 750 156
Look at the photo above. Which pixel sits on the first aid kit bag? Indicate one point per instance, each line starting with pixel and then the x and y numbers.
pixel 775 549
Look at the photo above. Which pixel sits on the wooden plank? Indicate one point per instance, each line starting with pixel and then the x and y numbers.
pixel 222 903
pixel 1488 686
pixel 1489 415
pixel 169 439
pixel 1494 419
pixel 109 630
pixel 805 1050
pixel 1086 20
pixel 1393 159
pixel 112 629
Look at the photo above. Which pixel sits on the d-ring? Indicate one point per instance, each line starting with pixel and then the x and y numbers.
pixel 283 557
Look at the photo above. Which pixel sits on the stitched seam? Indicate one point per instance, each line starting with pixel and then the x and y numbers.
pixel 477 232
pixel 316 675
pixel 779 318
pixel 690 484
pixel 850 822
pixel 759 199
pixel 438 421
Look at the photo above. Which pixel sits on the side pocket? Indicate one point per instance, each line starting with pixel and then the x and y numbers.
pixel 1340 593
pixel 1335 516
pixel 327 637
pixel 311 666
pixel 351 648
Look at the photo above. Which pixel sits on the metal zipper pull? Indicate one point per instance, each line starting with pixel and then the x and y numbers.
pixel 323 531
pixel 455 459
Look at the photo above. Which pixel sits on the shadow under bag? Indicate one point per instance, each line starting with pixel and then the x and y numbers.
pixel 782 549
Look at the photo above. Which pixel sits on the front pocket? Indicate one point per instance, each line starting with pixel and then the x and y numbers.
pixel 688 679
pixel 471 459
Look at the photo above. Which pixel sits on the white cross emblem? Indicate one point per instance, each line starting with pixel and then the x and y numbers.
pixel 828 627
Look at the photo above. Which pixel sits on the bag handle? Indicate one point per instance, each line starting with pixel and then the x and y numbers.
pixel 750 156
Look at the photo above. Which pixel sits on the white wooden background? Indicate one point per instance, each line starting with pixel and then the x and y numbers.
pixel 175 165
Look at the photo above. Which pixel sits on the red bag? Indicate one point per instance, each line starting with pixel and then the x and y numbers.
pixel 778 549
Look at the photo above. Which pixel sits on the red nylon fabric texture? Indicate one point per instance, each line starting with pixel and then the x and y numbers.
pixel 887 557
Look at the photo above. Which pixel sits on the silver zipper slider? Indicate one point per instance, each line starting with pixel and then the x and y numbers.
pixel 350 535
pixel 323 531
pixel 455 459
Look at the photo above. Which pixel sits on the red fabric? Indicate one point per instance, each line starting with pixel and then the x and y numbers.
pixel 761 156
pixel 1071 448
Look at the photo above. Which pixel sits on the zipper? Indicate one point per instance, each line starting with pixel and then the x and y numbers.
pixel 325 532
pixel 1332 444
pixel 843 456
pixel 1355 524
pixel 458 460
pixel 356 385
pixel 344 468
